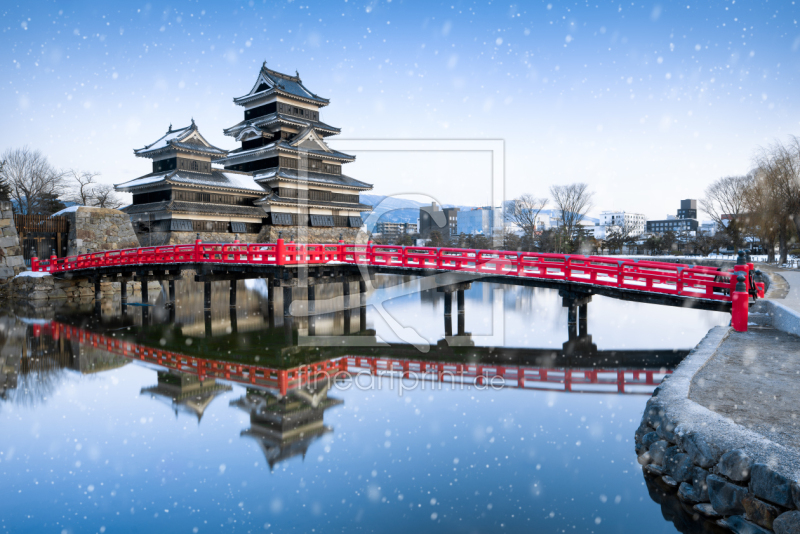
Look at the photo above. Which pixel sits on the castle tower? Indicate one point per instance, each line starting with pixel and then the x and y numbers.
pixel 185 195
pixel 283 146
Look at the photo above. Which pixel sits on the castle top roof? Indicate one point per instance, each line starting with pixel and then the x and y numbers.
pixel 273 82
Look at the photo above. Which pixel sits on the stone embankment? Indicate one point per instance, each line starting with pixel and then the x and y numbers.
pixel 43 286
pixel 722 430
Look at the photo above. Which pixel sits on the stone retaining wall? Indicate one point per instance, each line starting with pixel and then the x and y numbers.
pixel 11 260
pixel 307 234
pixel 726 472
pixel 97 229
pixel 43 286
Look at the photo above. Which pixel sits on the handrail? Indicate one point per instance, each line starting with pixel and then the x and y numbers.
pixel 624 273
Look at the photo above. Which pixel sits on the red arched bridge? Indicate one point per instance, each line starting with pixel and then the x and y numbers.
pixel 282 381
pixel 575 275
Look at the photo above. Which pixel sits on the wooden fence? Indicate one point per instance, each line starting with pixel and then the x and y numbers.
pixel 41 235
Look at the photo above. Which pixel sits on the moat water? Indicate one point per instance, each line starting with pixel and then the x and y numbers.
pixel 102 440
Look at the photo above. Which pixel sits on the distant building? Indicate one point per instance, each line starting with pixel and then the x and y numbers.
pixel 708 227
pixel 686 221
pixel 688 209
pixel 480 221
pixel 432 218
pixel 393 230
pixel 635 222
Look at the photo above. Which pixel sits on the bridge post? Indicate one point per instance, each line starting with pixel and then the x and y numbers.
pixel 460 301
pixel 145 296
pixel 461 325
pixel 448 303
pixel 98 294
pixel 287 301
pixel 280 255
pixel 206 295
pixel 172 291
pixel 362 317
pixel 123 290
pixel 233 294
pixel 740 304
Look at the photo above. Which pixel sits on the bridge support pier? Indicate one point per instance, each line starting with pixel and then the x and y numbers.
pixel 346 292
pixel 207 317
pixel 362 319
pixel 233 294
pixel 271 284
pixel 207 295
pixel 362 290
pixel 311 298
pixel 98 294
pixel 123 290
pixel 347 317
pixel 448 303
pixel 145 295
pixel 583 313
pixel 234 320
pixel 287 301
pixel 460 301
pixel 287 328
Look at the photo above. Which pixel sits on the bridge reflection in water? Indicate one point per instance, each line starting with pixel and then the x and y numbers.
pixel 287 379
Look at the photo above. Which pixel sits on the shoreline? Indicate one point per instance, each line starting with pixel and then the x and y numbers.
pixel 720 432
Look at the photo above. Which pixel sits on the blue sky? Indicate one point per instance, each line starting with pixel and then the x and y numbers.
pixel 647 102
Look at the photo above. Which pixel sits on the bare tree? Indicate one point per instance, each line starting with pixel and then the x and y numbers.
pixel 573 201
pixel 524 212
pixel 32 181
pixel 789 159
pixel 725 204
pixel 763 204
pixel 618 236
pixel 83 184
pixel 106 197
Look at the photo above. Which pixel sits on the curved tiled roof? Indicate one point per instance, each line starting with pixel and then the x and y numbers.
pixel 279 82
pixel 217 178
pixel 281 173
pixel 180 139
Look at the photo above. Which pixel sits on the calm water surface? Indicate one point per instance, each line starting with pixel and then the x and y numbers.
pixel 94 440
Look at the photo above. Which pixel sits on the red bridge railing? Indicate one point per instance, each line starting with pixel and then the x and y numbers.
pixel 636 381
pixel 641 275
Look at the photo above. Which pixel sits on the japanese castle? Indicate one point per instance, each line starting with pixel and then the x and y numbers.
pixel 283 178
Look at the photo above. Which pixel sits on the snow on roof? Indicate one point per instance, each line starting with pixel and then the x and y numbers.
pixel 164 141
pixel 70 209
pixel 144 180
pixel 242 181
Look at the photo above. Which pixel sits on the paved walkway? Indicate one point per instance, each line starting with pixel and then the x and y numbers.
pixel 792 300
pixel 753 376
